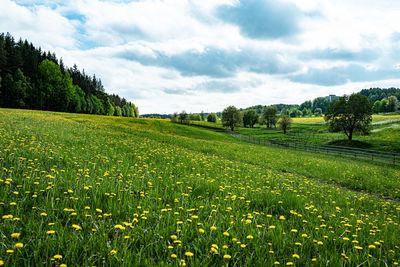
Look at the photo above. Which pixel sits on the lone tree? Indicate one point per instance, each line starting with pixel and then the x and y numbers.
pixel 183 117
pixel 269 116
pixel 350 114
pixel 250 118
pixel 231 117
pixel 284 122
pixel 212 117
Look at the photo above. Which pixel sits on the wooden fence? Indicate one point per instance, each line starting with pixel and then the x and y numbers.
pixel 359 153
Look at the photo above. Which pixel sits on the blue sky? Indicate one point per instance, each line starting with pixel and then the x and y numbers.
pixel 196 55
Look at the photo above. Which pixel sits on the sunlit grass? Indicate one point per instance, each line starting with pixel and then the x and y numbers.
pixel 88 190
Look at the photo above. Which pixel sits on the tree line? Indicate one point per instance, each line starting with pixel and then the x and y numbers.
pixel 347 114
pixel 34 79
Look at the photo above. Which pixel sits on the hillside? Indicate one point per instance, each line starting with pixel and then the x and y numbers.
pixel 97 190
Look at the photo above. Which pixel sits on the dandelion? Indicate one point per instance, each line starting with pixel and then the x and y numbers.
pixel 189 254
pixel 226 234
pixel 371 246
pixel 9 251
pixel 15 235
pixel 18 245
pixel 50 232
pixel 174 237
pixel 44 214
pixel 1 263
pixel 173 256
pixel 276 263
pixel 249 237
pixel 201 231
pixel 227 256
pixel 213 228
pixel 358 247
pixel 113 252
pixel 272 227
pixel 296 256
pixel 58 257
pixel 289 263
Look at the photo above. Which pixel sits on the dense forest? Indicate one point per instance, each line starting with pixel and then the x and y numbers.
pixel 34 79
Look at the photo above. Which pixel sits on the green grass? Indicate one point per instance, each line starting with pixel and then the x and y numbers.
pixel 123 191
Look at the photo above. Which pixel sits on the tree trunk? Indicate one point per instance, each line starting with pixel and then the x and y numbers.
pixel 350 135
pixel 232 127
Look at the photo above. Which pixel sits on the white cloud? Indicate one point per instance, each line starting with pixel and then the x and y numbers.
pixel 94 34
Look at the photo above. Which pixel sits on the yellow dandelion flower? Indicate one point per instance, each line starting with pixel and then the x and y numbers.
pixel 201 231
pixel 174 237
pixel 358 247
pixel 9 251
pixel 44 214
pixel 226 234
pixel 249 237
pixel 289 263
pixel 189 254
pixel 18 245
pixel 226 256
pixel 1 263
pixel 50 232
pixel 296 256
pixel 58 257
pixel 113 252
pixel 15 235
pixel 213 228
pixel 173 256
pixel 371 246
pixel 276 263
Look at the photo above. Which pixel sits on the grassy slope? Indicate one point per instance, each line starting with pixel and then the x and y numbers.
pixel 159 180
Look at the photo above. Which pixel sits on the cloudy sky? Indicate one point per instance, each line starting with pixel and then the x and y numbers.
pixel 195 55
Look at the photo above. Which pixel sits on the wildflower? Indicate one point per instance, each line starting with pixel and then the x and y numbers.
pixel 76 227
pixel 201 231
pixel 63 265
pixel 282 217
pixel 58 257
pixel 371 246
pixel 249 237
pixel 358 247
pixel 272 227
pixel 289 263
pixel 50 232
pixel 1 263
pixel 173 256
pixel 174 237
pixel 189 254
pixel 44 214
pixel 226 234
pixel 213 228
pixel 113 252
pixel 9 251
pixel 276 263
pixel 15 235
pixel 226 256
pixel 18 245
pixel 296 256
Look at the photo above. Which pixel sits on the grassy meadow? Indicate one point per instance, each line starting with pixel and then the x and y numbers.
pixel 87 190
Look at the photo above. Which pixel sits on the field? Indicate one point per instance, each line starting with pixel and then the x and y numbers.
pixel 84 190
pixel 385 134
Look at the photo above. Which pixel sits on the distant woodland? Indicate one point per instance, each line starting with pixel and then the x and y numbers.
pixel 34 79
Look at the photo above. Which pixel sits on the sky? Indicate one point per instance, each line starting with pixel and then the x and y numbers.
pixel 204 55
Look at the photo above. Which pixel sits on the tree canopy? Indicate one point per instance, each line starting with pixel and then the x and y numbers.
pixel 250 118
pixel 34 79
pixel 270 116
pixel 231 117
pixel 350 114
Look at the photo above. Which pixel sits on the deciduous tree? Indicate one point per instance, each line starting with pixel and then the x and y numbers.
pixel 350 114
